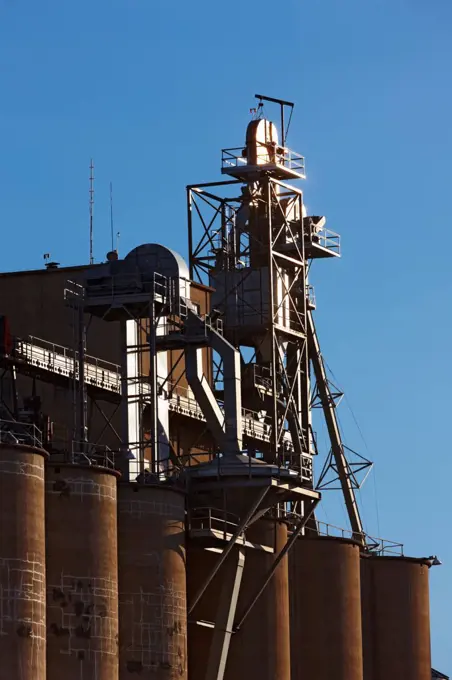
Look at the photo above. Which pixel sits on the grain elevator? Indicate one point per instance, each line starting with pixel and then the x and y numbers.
pixel 158 478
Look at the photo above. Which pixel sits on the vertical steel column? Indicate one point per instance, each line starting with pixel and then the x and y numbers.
pixel 224 623
pixel 124 392
pixel 306 391
pixel 272 330
pixel 82 396
pixel 14 392
pixel 153 382
pixel 296 355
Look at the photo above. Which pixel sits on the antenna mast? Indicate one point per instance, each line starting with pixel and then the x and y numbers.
pixel 91 206
pixel 111 216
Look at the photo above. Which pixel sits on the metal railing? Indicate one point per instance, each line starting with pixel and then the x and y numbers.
pixel 326 239
pixel 130 283
pixel 262 376
pixel 213 519
pixel 171 325
pixel 267 154
pixel 105 375
pixel 382 547
pixel 181 398
pixel 188 460
pixel 92 454
pixel 311 297
pixel 376 546
pixel 254 423
pixel 64 361
pixel 15 432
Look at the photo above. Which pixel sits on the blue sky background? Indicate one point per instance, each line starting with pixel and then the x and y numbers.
pixel 153 89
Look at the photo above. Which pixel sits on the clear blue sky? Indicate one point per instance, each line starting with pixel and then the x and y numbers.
pixel 152 89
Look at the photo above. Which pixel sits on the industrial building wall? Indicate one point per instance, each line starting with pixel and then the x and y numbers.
pixel 33 301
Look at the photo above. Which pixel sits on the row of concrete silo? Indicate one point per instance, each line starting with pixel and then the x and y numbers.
pixel 356 616
pixel 94 580
pixel 66 533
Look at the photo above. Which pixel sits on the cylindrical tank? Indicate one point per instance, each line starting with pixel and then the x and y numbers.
pixel 325 609
pixel 152 582
pixel 396 618
pixel 261 648
pixel 82 573
pixel 22 563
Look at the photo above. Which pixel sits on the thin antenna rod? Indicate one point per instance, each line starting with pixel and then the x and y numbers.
pixel 91 207
pixel 111 216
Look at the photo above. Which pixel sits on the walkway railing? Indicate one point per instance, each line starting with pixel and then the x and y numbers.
pixel 14 432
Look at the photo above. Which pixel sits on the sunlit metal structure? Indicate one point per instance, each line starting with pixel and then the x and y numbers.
pixel 204 412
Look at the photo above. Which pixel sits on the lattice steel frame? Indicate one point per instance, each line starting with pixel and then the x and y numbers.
pixel 289 364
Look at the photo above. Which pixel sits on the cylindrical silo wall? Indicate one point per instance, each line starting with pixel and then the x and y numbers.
pixel 261 648
pixel 325 609
pixel 262 645
pixel 82 585
pixel 396 618
pixel 152 582
pixel 22 564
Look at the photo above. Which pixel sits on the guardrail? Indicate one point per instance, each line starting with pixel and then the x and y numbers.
pixel 254 424
pixel 15 432
pixel 377 546
pixel 92 454
pixel 64 361
pixel 327 239
pixel 129 283
pixel 213 519
pixel 266 155
pixel 106 375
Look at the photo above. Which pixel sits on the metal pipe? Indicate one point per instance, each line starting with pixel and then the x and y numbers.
pixel 240 529
pixel 276 563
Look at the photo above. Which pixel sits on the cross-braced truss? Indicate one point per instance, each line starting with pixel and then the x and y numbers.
pixel 250 248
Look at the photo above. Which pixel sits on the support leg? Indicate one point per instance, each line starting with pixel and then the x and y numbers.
pixel 219 648
pixel 239 531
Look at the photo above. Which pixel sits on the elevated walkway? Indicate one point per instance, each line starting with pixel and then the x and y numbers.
pixel 56 364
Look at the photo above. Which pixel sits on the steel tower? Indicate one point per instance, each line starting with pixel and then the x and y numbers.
pixel 255 250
